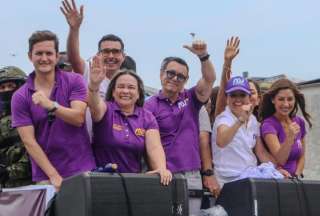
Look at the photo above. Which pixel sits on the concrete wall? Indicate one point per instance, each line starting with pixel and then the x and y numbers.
pixel 312 95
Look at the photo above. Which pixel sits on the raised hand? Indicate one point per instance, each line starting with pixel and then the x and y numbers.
pixel 39 98
pixel 97 71
pixel 232 48
pixel 198 47
pixel 73 16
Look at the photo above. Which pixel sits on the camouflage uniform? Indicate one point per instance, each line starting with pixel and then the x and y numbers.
pixel 15 168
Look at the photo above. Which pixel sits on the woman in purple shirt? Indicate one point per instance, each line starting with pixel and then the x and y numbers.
pixel 123 131
pixel 282 130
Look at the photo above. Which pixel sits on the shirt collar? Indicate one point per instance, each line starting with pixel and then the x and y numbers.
pixel 181 95
pixel 135 112
pixel 31 77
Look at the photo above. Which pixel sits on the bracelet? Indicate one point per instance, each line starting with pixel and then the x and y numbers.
pixel 204 58
pixel 54 108
pixel 93 90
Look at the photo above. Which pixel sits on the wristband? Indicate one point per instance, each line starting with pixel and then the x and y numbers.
pixel 54 108
pixel 208 172
pixel 93 90
pixel 204 58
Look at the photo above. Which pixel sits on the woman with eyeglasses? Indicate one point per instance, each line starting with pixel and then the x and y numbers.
pixel 123 131
pixel 282 129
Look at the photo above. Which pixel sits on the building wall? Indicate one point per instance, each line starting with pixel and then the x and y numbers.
pixel 312 95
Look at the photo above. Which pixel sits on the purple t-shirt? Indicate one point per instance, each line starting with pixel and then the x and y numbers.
pixel 66 146
pixel 272 125
pixel 120 139
pixel 179 129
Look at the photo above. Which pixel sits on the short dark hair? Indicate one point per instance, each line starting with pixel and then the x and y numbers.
pixel 44 35
pixel 114 79
pixel 129 63
pixel 111 37
pixel 167 60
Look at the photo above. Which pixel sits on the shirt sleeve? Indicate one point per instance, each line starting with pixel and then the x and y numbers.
pixel 21 115
pixel 198 104
pixel 223 119
pixel 204 120
pixel 151 122
pixel 267 127
pixel 79 89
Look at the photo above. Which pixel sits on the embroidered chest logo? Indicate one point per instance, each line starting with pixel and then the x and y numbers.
pixel 183 103
pixel 140 132
pixel 117 127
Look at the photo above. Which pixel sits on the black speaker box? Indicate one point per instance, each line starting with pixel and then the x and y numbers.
pixel 270 197
pixel 108 194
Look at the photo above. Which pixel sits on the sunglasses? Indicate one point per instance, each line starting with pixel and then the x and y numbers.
pixel 235 95
pixel 172 73
pixel 109 51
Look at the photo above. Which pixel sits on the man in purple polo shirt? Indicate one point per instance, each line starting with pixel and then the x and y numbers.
pixel 49 113
pixel 177 112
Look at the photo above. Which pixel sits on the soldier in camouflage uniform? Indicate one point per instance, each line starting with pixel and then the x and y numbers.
pixel 15 168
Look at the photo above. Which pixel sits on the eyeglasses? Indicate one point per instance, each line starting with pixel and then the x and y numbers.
pixel 241 95
pixel 180 77
pixel 109 51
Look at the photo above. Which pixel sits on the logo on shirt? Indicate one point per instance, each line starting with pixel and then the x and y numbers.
pixel 183 103
pixel 140 132
pixel 117 127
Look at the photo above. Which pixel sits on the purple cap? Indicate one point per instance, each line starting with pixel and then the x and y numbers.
pixel 238 83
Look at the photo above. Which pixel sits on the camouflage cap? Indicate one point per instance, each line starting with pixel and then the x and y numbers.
pixel 12 73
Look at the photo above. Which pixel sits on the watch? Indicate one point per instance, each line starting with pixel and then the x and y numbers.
pixel 204 57
pixel 207 172
pixel 55 107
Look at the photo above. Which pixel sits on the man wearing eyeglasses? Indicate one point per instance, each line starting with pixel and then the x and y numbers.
pixel 110 46
pixel 177 112
pixel 48 112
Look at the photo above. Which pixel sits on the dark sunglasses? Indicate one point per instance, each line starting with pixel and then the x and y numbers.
pixel 51 117
pixel 172 73
pixel 241 95
pixel 109 51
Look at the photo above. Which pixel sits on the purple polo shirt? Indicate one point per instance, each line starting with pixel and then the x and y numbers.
pixel 66 146
pixel 272 125
pixel 179 129
pixel 120 139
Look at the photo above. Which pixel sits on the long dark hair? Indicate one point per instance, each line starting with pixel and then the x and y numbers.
pixel 255 111
pixel 267 108
pixel 114 79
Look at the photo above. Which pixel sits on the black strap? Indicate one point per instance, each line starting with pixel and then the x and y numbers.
pixel 128 201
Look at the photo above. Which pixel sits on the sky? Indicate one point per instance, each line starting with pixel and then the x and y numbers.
pixel 277 37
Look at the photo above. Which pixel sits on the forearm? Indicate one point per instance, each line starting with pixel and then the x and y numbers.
pixel 71 116
pixel 157 158
pixel 221 98
pixel 96 104
pixel 205 151
pixel 300 165
pixel 41 159
pixel 73 51
pixel 205 84
pixel 284 151
pixel 224 137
